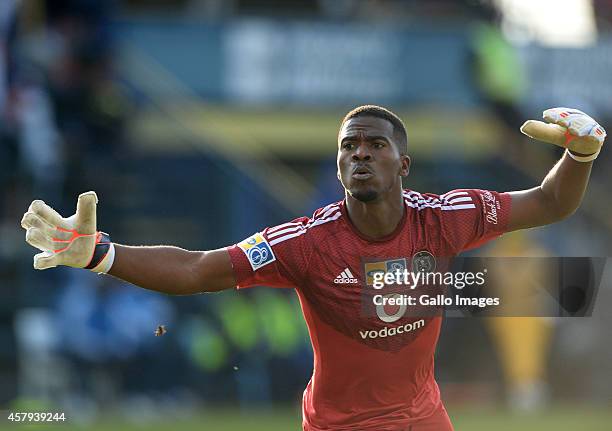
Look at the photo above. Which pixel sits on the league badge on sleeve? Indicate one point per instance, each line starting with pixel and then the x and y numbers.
pixel 257 250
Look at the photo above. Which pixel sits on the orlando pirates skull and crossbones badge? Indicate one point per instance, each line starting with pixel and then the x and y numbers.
pixel 423 261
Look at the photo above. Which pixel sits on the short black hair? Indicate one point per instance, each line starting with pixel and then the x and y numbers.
pixel 399 130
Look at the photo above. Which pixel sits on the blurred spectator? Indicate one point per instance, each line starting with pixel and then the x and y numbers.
pixel 90 107
pixel 498 72
pixel 9 144
pixel 522 343
pixel 103 327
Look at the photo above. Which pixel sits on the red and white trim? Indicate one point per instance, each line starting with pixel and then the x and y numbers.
pixel 285 231
pixel 456 200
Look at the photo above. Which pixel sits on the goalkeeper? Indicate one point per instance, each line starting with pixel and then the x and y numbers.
pixel 372 371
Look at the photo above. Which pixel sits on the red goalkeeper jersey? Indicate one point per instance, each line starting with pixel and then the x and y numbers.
pixel 373 366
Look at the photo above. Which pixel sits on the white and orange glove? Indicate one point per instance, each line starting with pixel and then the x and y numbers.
pixel 72 241
pixel 568 128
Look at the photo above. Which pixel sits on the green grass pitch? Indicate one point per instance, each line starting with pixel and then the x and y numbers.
pixel 559 418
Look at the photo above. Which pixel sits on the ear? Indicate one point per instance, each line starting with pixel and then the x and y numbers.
pixel 405 168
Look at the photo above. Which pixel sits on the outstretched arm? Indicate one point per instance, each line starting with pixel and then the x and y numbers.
pixel 174 270
pixel 74 241
pixel 562 190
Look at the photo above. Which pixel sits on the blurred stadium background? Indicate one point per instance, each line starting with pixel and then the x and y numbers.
pixel 199 122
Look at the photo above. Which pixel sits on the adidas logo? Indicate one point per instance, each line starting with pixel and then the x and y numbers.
pixel 346 277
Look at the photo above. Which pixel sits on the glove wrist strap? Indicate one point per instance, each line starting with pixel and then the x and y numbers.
pixel 583 159
pixel 103 255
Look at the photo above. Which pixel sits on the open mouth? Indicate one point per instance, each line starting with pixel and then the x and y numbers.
pixel 362 173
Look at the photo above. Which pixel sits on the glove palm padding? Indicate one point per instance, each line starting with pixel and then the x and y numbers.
pixel 567 128
pixel 63 241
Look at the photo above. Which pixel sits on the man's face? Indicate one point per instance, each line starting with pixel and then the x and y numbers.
pixel 369 162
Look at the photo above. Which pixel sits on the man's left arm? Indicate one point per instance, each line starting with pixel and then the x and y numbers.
pixel 562 190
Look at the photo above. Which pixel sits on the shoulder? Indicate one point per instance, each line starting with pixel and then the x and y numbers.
pixel 305 226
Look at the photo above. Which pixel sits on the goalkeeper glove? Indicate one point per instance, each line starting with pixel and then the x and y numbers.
pixel 568 128
pixel 71 241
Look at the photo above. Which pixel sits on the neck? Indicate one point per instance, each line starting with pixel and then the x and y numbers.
pixel 376 219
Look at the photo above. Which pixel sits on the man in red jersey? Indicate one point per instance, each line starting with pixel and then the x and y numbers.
pixel 372 371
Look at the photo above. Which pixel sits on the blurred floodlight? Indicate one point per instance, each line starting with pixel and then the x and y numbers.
pixel 558 23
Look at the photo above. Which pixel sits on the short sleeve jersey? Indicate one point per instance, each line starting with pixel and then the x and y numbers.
pixel 372 370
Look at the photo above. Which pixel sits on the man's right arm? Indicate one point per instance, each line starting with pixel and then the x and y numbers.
pixel 173 270
pixel 74 241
